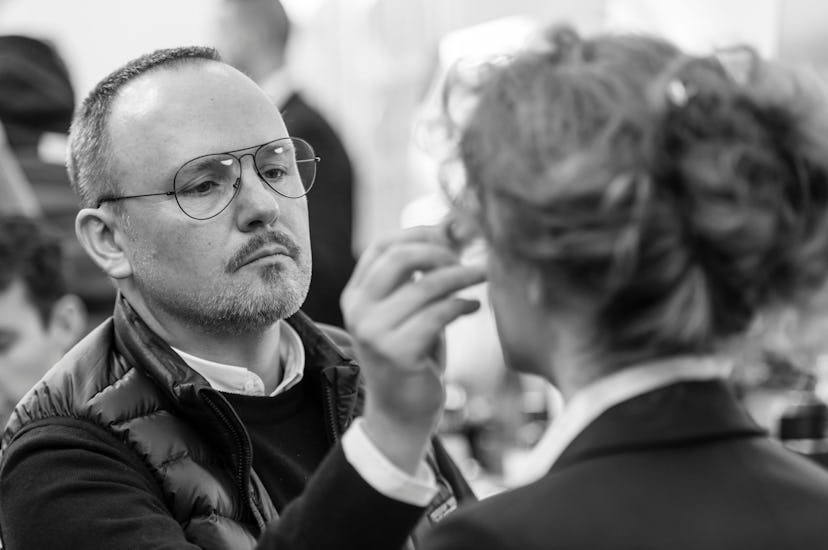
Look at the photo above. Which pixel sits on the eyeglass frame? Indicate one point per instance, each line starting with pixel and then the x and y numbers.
pixel 234 153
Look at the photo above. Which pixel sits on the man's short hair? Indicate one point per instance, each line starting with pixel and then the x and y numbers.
pixel 90 154
pixel 31 251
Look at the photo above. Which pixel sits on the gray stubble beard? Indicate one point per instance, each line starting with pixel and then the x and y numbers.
pixel 244 312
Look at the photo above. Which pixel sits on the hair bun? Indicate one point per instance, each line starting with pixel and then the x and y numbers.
pixel 749 191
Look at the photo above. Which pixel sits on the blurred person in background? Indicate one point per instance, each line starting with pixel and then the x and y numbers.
pixel 36 93
pixel 209 411
pixel 39 318
pixel 253 36
pixel 640 207
pixel 37 100
pixel 782 375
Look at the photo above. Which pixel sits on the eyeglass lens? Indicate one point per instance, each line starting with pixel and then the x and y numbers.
pixel 206 185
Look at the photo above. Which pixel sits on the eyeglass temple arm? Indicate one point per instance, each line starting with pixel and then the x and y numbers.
pixel 114 199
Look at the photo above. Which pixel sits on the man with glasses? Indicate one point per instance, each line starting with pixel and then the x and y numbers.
pixel 206 185
pixel 209 412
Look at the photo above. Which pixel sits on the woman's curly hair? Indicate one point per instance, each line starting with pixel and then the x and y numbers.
pixel 676 195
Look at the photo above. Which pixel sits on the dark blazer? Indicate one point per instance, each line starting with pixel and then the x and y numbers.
pixel 330 209
pixel 681 467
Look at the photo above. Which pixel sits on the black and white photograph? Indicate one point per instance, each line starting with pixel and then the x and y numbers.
pixel 414 275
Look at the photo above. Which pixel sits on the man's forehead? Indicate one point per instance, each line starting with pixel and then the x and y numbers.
pixel 192 109
pixel 201 92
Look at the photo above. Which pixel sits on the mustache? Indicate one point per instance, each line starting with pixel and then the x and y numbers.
pixel 257 242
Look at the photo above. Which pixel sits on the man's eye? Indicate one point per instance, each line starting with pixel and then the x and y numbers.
pixel 200 188
pixel 274 172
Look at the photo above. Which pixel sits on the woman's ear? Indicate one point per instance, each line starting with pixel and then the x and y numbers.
pixel 99 233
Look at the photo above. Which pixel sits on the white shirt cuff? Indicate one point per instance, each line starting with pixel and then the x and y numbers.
pixel 381 474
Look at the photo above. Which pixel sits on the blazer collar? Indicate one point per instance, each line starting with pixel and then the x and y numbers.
pixel 684 412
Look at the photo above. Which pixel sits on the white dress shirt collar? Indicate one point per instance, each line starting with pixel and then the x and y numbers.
pixel 360 452
pixel 588 403
pixel 236 379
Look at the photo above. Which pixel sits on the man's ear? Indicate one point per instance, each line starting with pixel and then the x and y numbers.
pixel 67 321
pixel 103 240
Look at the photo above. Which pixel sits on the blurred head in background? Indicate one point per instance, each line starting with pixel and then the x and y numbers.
pixel 39 319
pixel 253 35
pixel 638 203
pixel 36 94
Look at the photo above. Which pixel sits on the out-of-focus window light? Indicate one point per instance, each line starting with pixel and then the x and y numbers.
pixel 302 12
pixel 97 36
pixel 473 44
pixel 701 25
pixel 491 38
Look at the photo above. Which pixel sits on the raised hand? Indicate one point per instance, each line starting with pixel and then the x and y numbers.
pixel 396 306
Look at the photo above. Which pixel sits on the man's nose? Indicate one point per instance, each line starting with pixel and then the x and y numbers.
pixel 258 204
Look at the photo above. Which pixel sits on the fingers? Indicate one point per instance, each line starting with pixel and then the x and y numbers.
pixel 362 303
pixel 398 264
pixel 396 306
pixel 424 234
pixel 401 275
pixel 434 286
pixel 428 324
pixel 415 338
pixel 406 328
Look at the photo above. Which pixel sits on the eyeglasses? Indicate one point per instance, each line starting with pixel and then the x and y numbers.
pixel 206 185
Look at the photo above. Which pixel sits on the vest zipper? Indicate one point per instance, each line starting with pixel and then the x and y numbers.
pixel 242 481
pixel 331 417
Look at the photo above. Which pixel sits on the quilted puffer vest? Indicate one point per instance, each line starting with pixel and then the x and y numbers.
pixel 125 379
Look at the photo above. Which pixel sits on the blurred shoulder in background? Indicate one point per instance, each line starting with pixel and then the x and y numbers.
pixel 39 318
pixel 36 104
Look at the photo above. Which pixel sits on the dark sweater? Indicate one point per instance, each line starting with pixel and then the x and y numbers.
pixel 119 497
pixel 288 437
pixel 123 446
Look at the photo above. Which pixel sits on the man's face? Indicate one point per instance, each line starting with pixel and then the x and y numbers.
pixel 239 271
pixel 28 348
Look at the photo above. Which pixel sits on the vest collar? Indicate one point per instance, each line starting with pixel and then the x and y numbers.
pixel 148 351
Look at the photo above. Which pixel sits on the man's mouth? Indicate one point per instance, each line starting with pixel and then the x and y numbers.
pixel 267 245
pixel 266 251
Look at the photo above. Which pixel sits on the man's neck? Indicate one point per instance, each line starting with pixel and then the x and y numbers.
pixel 258 350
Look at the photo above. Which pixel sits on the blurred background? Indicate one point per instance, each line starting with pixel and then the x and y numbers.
pixel 373 68
pixel 369 63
